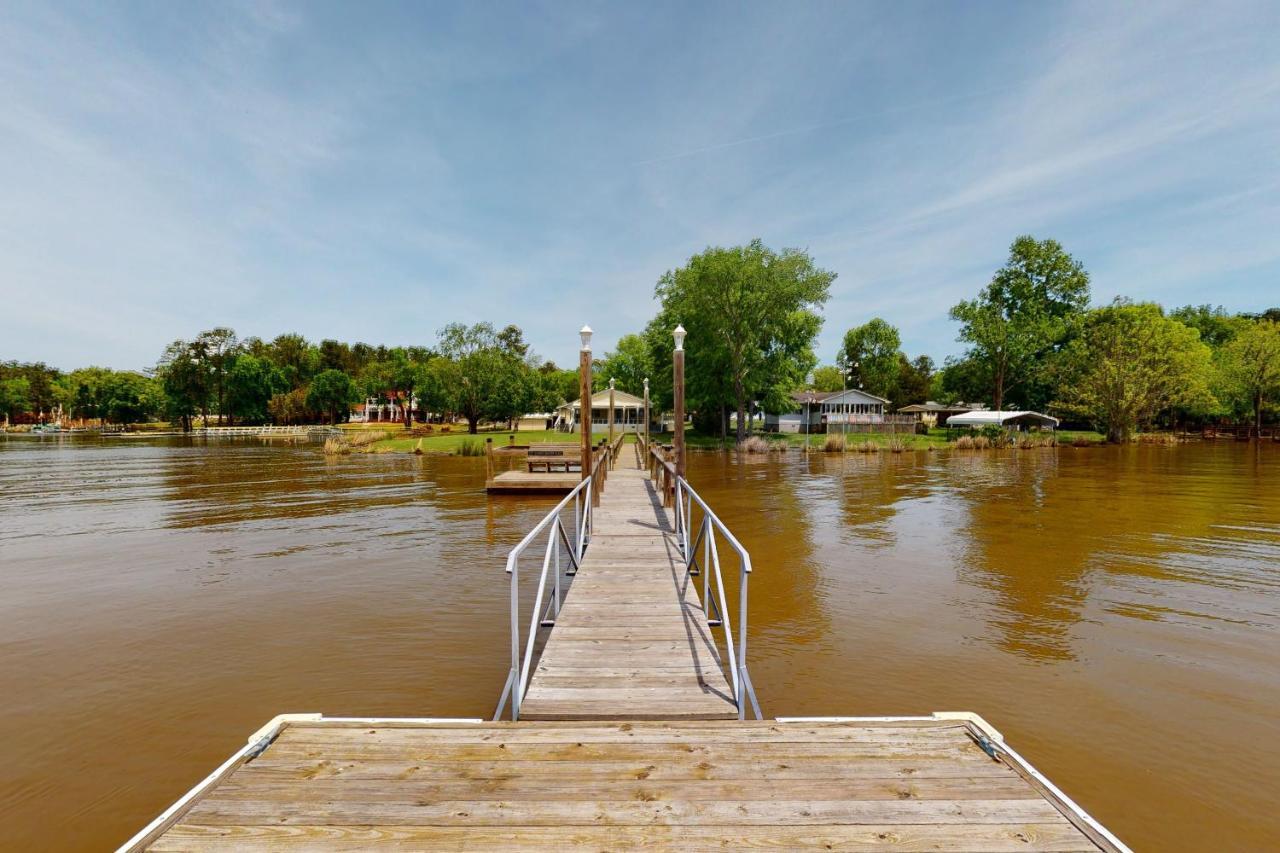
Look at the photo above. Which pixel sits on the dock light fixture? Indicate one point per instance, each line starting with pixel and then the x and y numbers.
pixel 679 334
pixel 610 383
pixel 585 334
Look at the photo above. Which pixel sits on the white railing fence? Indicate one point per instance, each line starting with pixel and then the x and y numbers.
pixel 561 556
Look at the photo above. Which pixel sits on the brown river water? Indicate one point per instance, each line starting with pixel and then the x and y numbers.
pixel 1114 611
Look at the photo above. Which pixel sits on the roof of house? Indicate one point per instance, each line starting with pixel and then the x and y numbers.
pixel 983 418
pixel 852 393
pixel 600 399
pixel 931 406
pixel 811 396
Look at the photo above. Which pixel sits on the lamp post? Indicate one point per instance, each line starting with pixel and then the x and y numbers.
pixel 678 375
pixel 611 411
pixel 584 399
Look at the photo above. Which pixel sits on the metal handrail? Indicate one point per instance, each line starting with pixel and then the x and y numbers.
pixel 575 546
pixel 684 498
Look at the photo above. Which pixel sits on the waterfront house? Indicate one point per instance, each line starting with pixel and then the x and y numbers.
pixel 628 413
pixel 936 414
pixel 851 410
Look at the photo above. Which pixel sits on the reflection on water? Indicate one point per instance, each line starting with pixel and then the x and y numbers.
pixel 1115 611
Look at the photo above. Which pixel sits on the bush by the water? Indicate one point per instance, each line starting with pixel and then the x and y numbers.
pixel 336 445
pixel 754 444
pixel 471 447
pixel 834 444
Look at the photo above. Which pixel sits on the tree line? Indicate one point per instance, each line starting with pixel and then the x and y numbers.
pixel 1032 341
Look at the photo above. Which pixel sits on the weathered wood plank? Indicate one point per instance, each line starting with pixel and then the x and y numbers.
pixel 1049 837
pixel 214 810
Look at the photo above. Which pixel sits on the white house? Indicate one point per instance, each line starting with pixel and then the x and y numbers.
pixel 628 413
pixel 817 411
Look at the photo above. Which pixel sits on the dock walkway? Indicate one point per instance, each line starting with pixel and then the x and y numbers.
pixel 629 735
pixel 631 640
pixel 905 784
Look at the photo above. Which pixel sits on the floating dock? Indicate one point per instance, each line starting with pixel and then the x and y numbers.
pixel 541 468
pixel 927 783
pixel 628 698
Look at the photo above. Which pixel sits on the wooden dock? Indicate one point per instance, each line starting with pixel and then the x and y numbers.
pixel 629 729
pixel 632 640
pixel 926 783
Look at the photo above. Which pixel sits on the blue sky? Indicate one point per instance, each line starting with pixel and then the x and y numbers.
pixel 374 171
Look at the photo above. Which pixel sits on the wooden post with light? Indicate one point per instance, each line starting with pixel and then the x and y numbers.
pixel 678 365
pixel 584 401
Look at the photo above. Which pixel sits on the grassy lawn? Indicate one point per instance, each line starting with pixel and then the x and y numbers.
pixel 935 438
pixel 452 441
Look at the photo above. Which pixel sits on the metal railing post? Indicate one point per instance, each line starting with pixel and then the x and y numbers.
pixel 513 566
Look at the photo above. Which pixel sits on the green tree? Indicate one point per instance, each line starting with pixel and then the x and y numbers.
pixel 184 381
pixel 482 375
pixel 630 363
pixel 127 397
pixel 751 319
pixel 1028 311
pixel 333 392
pixel 43 390
pixel 1215 325
pixel 869 357
pixel 1130 363
pixel 290 407
pixel 828 377
pixel 297 359
pixel 1250 365
pixel 218 349
pixel 915 379
pixel 15 397
pixel 251 383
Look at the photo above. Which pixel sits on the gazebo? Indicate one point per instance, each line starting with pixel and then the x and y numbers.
pixel 628 413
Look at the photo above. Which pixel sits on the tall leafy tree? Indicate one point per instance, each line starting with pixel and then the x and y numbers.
pixel 482 373
pixel 1250 365
pixel 218 348
pixel 1129 364
pixel 1025 314
pixel 1215 325
pixel 869 357
pixel 915 378
pixel 184 381
pixel 630 363
pixel 297 359
pixel 251 383
pixel 751 319
pixel 828 377
pixel 332 392
pixel 15 397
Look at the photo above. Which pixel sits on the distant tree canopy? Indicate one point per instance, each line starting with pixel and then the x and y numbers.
pixel 828 377
pixel 1249 368
pixel 751 314
pixel 869 357
pixel 1031 307
pixel 630 363
pixel 1129 363
pixel 751 317
pixel 331 391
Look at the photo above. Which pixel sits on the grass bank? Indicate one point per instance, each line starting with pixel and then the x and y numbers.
pixel 455 441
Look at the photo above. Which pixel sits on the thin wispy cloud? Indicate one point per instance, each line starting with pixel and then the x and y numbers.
pixel 372 174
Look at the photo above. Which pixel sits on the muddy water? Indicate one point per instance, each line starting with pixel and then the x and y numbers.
pixel 1116 612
